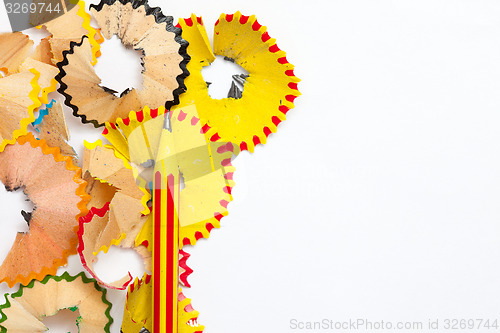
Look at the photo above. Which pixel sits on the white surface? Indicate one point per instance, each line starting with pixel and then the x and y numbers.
pixel 379 197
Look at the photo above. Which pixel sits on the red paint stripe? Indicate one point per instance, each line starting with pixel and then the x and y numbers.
pixel 187 271
pixel 256 25
pixel 274 48
pixel 157 250
pixel 284 109
pixel 95 211
pixel 290 98
pixel 244 19
pixel 154 113
pixel 222 149
pixel 170 253
pixel 227 190
pixel 140 116
pixel 282 60
pixel 215 137
pixel 205 128
pixel 182 115
pixel 265 37
pixel 276 120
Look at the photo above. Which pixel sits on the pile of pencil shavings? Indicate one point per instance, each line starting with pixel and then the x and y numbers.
pixel 86 202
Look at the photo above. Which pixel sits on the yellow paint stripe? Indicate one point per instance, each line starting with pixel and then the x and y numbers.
pixel 211 156
pixel 146 139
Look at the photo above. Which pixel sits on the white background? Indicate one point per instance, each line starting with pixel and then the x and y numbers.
pixel 379 197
